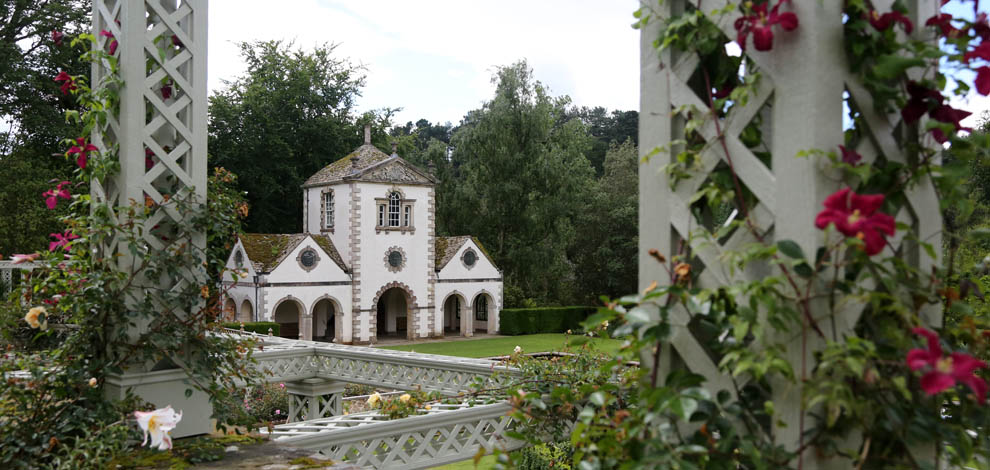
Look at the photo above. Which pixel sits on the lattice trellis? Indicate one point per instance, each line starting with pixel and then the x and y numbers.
pixel 446 433
pixel 799 100
pixel 160 130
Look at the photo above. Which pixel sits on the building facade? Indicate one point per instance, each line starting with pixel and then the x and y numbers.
pixel 368 263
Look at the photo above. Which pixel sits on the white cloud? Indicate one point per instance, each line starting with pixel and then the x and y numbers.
pixel 435 59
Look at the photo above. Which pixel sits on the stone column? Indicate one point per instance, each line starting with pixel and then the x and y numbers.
pixel 314 398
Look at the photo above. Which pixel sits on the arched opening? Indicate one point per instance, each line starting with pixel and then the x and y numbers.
pixel 324 316
pixel 247 312
pixel 287 315
pixel 392 314
pixel 453 309
pixel 482 306
pixel 229 309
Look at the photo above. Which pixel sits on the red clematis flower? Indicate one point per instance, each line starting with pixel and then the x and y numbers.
pixel 51 196
pixel 760 24
pixel 983 80
pixel 57 37
pixel 855 215
pixel 62 240
pixel 926 100
pixel 166 91
pixel 82 149
pixel 69 84
pixel 979 52
pixel 113 41
pixel 176 42
pixel 949 115
pixel 945 372
pixel 149 162
pixel 850 157
pixel 944 23
pixel 885 21
pixel 981 27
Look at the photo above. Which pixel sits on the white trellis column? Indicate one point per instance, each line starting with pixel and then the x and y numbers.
pixel 159 43
pixel 800 98
pixel 314 398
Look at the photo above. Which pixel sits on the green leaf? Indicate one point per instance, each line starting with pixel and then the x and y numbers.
pixel 890 66
pixel 790 248
pixel 597 398
pixel 684 407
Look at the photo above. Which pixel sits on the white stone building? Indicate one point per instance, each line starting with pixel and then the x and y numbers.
pixel 368 263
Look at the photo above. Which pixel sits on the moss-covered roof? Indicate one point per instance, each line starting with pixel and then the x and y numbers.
pixel 327 244
pixel 267 250
pixel 367 155
pixel 447 247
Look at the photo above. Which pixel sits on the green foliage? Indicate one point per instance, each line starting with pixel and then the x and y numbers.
pixel 260 327
pixel 526 321
pixel 289 115
pixel 94 450
pixel 545 456
pixel 254 407
pixel 405 405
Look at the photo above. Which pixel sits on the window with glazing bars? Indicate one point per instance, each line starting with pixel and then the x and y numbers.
pixel 393 209
pixel 328 209
pixel 406 216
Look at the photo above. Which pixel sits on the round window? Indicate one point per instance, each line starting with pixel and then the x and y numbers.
pixel 395 259
pixel 308 258
pixel 470 258
pixel 239 259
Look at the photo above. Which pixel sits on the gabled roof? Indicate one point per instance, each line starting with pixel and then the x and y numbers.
pixel 267 250
pixel 447 247
pixel 367 155
pixel 372 165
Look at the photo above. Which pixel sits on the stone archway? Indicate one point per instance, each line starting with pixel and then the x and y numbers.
pixel 395 311
pixel 326 317
pixel 229 310
pixel 288 313
pixel 454 314
pixel 482 312
pixel 246 313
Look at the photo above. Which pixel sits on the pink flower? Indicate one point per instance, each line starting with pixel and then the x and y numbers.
pixel 62 240
pixel 850 157
pixel 69 83
pixel 113 41
pixel 945 372
pixel 886 20
pixel 52 195
pixel 855 215
pixel 281 385
pixel 760 24
pixel 82 149
pixel 57 37
pixel 21 259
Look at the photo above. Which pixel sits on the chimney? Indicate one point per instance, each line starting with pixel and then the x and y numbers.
pixel 395 147
pixel 367 134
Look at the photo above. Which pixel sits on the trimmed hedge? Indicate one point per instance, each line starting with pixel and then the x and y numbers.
pixel 527 321
pixel 260 327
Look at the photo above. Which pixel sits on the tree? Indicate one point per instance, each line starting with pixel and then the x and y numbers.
pixel 608 230
pixel 289 115
pixel 608 129
pixel 521 181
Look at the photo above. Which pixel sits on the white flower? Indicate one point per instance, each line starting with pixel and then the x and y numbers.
pixel 92 382
pixel 405 397
pixel 517 350
pixel 373 399
pixel 605 324
pixel 568 331
pixel 158 423
pixel 32 318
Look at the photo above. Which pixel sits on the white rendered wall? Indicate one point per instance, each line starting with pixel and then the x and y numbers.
pixel 243 289
pixel 373 248
pixel 470 290
pixel 341 216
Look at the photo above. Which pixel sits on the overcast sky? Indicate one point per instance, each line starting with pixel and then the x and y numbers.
pixel 435 58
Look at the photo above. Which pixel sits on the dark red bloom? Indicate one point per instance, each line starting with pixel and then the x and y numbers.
pixel 885 21
pixel 983 80
pixel 69 84
pixel 113 41
pixel 944 23
pixel 920 101
pixel 51 196
pixel 945 372
pixel 850 157
pixel 149 162
pixel 981 27
pixel 979 52
pixel 57 37
pixel 176 42
pixel 949 115
pixel 724 92
pixel 855 215
pixel 166 91
pixel 62 240
pixel 760 24
pixel 82 150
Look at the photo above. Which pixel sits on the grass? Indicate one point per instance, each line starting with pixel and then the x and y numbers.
pixel 487 463
pixel 503 346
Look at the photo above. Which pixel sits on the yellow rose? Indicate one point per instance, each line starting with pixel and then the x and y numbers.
pixel 32 318
pixel 428 407
pixel 405 397
pixel 373 399
pixel 92 382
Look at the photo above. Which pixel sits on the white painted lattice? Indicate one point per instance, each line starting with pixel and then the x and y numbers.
pixel 800 102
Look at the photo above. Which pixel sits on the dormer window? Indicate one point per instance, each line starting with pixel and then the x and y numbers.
pixel 395 212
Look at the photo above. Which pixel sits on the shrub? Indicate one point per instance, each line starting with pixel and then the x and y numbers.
pixel 260 327
pixel 556 456
pixel 525 321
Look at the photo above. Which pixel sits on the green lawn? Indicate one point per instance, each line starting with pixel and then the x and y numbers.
pixel 487 463
pixel 503 345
